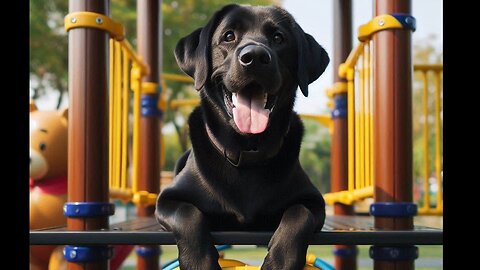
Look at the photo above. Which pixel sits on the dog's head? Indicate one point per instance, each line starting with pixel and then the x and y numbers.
pixel 249 61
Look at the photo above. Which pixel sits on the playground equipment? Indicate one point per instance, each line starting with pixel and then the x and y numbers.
pixel 357 71
pixel 98 156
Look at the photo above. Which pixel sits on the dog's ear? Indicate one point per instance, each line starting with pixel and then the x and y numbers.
pixel 193 52
pixel 312 59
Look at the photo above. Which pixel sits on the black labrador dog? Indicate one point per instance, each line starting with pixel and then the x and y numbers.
pixel 243 172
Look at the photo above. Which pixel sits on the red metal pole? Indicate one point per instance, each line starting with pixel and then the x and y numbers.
pixel 345 256
pixel 148 40
pixel 393 131
pixel 88 130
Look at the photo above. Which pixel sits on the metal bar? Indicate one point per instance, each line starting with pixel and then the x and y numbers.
pixel 432 67
pixel 351 132
pixel 420 237
pixel 136 123
pixel 111 113
pixel 177 78
pixel 117 99
pixel 357 139
pixel 426 156
pixel 351 61
pixel 135 58
pixel 125 123
pixel 438 141
pixel 176 103
pixel 361 123
pixel 372 156
pixel 367 115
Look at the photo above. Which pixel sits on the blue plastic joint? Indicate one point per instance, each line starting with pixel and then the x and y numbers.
pixel 393 209
pixel 340 106
pixel 401 253
pixel 149 106
pixel 88 209
pixel 87 253
pixel 146 251
pixel 346 252
pixel 407 21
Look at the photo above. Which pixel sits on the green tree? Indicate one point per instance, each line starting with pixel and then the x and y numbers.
pixel 315 154
pixel 48 47
pixel 48 39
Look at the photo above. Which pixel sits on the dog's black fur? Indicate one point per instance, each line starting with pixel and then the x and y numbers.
pixel 234 179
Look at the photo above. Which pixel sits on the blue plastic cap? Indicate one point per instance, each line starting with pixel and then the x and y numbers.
pixel 393 209
pixel 403 253
pixel 88 209
pixel 87 254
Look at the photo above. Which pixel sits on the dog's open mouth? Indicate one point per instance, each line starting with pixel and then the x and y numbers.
pixel 250 107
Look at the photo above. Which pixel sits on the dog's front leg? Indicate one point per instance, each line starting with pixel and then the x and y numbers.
pixel 194 241
pixel 288 247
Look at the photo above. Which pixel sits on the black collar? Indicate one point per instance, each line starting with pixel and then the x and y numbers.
pixel 244 158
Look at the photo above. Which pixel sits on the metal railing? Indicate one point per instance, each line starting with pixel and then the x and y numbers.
pixel 357 70
pixel 437 71
pixel 125 74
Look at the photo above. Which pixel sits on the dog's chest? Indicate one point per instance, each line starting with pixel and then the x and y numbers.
pixel 249 202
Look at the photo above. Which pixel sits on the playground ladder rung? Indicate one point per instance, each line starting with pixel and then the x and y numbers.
pixel 338 230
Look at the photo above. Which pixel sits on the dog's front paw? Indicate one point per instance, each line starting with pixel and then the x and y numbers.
pixel 201 264
pixel 283 260
pixel 198 258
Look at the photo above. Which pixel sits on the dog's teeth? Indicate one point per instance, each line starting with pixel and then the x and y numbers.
pixel 234 98
pixel 265 98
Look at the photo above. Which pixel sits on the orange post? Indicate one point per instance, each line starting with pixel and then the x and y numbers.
pixel 148 172
pixel 88 206
pixel 392 74
pixel 345 256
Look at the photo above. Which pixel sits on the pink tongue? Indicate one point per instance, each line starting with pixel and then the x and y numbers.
pixel 249 114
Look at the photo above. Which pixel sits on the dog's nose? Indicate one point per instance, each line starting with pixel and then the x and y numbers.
pixel 252 55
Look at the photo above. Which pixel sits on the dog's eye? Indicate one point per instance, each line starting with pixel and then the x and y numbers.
pixel 43 146
pixel 229 36
pixel 278 38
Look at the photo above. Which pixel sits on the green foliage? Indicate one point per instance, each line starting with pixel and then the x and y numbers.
pixel 48 47
pixel 315 154
pixel 172 150
pixel 48 39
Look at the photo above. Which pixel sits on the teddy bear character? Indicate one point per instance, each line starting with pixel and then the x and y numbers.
pixel 48 176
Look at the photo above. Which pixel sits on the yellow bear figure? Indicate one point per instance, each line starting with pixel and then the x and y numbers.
pixel 48 176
